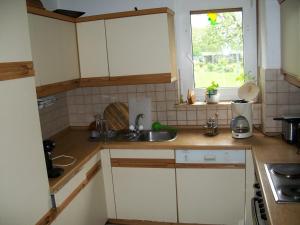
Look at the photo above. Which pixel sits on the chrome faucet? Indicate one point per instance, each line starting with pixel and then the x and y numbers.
pixel 134 129
pixel 137 121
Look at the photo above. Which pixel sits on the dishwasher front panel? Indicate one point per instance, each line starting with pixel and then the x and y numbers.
pixel 211 156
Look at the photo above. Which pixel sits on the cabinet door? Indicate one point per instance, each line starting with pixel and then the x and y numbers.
pixel 92 49
pixel 14 39
pixel 54 49
pixel 145 193
pixel 138 45
pixel 24 189
pixel 290 38
pixel 88 207
pixel 211 196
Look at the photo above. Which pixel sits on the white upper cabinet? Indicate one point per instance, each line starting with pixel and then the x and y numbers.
pixel 141 45
pixel 290 37
pixel 92 49
pixel 54 49
pixel 14 37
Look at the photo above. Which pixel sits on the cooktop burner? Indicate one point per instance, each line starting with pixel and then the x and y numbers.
pixel 287 171
pixel 284 179
pixel 292 191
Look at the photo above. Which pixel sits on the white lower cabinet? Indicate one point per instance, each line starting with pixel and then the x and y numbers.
pixel 211 186
pixel 88 207
pixel 144 184
pixel 207 186
pixel 145 193
pixel 211 196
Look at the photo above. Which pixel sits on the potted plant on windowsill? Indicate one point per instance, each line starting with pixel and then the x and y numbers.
pixel 212 95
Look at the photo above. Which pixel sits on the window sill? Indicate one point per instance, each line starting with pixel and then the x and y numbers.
pixel 219 105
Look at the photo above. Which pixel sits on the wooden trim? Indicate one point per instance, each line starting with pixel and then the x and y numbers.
pixel 216 10
pixel 35 4
pixel 48 218
pixel 145 222
pixel 93 171
pixel 94 82
pixel 125 14
pixel 210 166
pixel 141 79
pixel 55 88
pixel 126 80
pixel 70 198
pixel 291 78
pixel 62 183
pixel 46 13
pixel 142 163
pixel 16 70
pixel 89 175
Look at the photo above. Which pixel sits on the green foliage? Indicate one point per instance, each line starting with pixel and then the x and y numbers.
pixel 226 33
pixel 203 77
pixel 212 88
pixel 210 42
pixel 245 77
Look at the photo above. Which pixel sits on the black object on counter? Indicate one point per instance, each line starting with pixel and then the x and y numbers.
pixel 52 172
pixel 74 14
pixel 290 127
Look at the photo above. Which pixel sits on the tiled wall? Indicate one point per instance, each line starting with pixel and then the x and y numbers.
pixel 55 117
pixel 78 107
pixel 84 103
pixel 278 98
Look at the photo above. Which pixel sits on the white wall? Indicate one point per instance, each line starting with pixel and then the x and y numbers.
pixel 50 4
pixel 269 38
pixel 182 10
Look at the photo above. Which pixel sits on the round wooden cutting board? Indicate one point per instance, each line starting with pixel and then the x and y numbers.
pixel 117 116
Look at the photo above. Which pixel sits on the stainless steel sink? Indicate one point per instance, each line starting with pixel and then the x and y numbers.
pixel 147 136
pixel 156 136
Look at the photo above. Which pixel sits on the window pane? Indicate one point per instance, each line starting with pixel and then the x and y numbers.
pixel 218 49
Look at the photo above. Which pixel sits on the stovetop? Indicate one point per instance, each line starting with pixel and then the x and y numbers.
pixel 284 179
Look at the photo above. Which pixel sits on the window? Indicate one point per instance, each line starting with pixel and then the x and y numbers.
pixel 217 50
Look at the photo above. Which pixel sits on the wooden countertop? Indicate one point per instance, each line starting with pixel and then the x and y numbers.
pixel 72 143
pixel 188 139
pixel 265 149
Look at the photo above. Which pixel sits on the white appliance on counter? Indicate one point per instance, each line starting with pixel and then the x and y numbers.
pixel 214 176
pixel 242 123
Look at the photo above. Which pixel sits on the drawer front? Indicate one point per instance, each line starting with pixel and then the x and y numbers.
pixel 210 156
pixel 142 154
pixel 59 197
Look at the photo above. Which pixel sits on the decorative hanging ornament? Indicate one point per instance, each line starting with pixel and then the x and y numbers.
pixel 212 17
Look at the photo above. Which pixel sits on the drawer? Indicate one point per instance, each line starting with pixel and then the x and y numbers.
pixel 142 153
pixel 59 197
pixel 211 156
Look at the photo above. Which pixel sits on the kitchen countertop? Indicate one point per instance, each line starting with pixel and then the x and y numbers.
pixel 265 149
pixel 72 143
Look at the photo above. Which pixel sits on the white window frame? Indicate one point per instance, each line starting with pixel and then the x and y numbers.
pixel 184 42
pixel 227 93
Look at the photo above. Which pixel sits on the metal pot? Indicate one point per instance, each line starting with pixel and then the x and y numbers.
pixel 290 128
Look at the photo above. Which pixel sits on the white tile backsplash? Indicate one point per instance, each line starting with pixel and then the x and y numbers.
pixel 278 98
